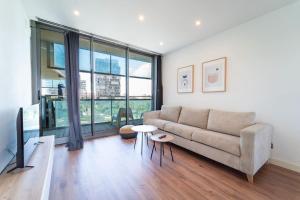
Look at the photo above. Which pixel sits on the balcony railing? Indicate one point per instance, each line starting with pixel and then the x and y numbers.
pixel 106 111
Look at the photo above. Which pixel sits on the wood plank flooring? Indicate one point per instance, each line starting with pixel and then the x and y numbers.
pixel 109 168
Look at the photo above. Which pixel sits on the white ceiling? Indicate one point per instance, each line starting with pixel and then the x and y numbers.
pixel 170 21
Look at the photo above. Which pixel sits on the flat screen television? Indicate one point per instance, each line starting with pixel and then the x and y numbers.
pixel 28 133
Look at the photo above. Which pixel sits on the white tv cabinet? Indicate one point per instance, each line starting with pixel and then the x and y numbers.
pixel 34 183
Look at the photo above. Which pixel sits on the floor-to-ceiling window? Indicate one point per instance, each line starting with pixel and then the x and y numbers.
pixel 115 84
pixel 109 86
pixel 53 92
pixel 140 85
pixel 85 68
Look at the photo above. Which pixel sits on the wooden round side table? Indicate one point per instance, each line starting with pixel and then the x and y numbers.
pixel 156 138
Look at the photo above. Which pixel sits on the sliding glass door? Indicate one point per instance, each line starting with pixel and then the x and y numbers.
pixel 140 86
pixel 85 68
pixel 109 87
pixel 115 85
pixel 53 96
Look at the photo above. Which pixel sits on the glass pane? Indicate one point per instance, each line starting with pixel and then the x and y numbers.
pixel 138 107
pixel 140 87
pixel 109 59
pixel 85 112
pixel 110 111
pixel 61 113
pixel 109 92
pixel 118 113
pixel 59 55
pixel 118 65
pixel 102 62
pixel 109 86
pixel 116 106
pixel 140 65
pixel 102 111
pixel 85 98
pixel 53 87
pixel 84 54
pixel 53 84
pixel 85 86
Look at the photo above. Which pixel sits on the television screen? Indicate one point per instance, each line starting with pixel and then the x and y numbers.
pixel 28 136
pixel 31 130
pixel 31 125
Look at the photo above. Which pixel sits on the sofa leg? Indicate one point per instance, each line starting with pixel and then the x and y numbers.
pixel 250 178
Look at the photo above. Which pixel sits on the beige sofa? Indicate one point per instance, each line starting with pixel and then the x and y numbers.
pixel 231 138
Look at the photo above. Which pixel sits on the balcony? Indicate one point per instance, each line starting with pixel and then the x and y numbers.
pixel 107 115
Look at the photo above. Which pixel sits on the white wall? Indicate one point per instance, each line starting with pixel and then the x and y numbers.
pixel 15 71
pixel 263 76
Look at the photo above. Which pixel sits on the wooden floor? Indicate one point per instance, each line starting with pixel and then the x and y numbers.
pixel 109 168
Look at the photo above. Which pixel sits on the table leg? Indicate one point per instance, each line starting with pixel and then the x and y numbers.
pixel 147 139
pixel 152 150
pixel 142 143
pixel 135 141
pixel 153 141
pixel 161 152
pixel 171 153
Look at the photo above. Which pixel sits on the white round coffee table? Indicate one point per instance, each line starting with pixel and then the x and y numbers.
pixel 144 130
pixel 162 138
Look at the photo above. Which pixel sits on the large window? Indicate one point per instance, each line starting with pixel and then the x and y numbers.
pixel 115 85
pixel 85 86
pixel 109 86
pixel 53 84
pixel 140 85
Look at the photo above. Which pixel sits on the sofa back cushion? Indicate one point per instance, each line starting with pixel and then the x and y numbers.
pixel 170 113
pixel 194 117
pixel 229 122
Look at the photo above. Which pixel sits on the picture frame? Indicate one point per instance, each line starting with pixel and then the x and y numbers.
pixel 214 75
pixel 185 79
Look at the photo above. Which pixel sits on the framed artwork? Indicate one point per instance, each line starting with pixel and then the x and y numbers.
pixel 214 75
pixel 185 79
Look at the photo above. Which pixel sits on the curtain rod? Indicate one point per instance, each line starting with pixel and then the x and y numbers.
pixel 106 39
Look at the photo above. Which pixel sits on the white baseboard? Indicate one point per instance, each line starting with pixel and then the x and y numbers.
pixel 285 164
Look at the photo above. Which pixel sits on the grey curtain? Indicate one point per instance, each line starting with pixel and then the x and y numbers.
pixel 73 86
pixel 159 87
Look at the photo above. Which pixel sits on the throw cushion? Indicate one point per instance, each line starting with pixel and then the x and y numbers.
pixel 229 122
pixel 170 113
pixel 180 130
pixel 159 123
pixel 126 129
pixel 127 133
pixel 194 117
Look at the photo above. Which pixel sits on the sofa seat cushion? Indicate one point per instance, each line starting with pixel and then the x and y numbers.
pixel 224 142
pixel 159 123
pixel 194 117
pixel 229 122
pixel 180 130
pixel 170 113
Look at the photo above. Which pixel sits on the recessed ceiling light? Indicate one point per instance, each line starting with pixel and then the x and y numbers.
pixel 197 22
pixel 161 44
pixel 141 18
pixel 76 12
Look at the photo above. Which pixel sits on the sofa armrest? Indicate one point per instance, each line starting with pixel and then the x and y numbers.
pixel 255 147
pixel 151 115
